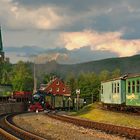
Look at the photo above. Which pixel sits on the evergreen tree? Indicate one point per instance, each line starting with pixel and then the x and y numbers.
pixel 104 75
pixel 5 73
pixel 47 78
pixel 116 73
pixel 72 83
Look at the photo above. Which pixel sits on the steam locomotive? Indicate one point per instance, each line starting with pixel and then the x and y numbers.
pixel 37 102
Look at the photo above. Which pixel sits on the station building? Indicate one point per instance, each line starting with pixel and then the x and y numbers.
pixel 57 93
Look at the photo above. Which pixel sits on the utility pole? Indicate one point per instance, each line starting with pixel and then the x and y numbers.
pixel 35 80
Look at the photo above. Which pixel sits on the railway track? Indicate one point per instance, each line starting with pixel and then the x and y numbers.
pixel 131 133
pixel 9 131
pixel 130 112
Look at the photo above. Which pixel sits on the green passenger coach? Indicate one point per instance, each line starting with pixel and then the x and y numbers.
pixel 122 93
pixel 133 90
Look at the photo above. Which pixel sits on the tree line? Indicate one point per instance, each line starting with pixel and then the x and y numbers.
pixel 20 75
pixel 88 82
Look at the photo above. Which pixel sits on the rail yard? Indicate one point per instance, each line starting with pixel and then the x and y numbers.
pixel 8 130
pixel 57 126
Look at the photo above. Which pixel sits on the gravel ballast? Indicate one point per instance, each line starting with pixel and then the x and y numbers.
pixel 49 128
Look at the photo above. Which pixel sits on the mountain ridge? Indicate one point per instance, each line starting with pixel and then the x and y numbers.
pixel 125 64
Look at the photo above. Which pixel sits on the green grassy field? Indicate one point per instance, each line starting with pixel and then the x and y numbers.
pixel 95 113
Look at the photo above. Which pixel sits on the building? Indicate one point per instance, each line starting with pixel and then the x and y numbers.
pixel 1 48
pixel 57 87
pixel 57 93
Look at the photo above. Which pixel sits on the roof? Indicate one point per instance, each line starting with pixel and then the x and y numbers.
pixel 132 75
pixel 56 87
pixel 124 77
pixel 114 79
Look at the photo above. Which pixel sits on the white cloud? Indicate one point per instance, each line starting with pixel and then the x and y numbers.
pixel 17 16
pixel 110 41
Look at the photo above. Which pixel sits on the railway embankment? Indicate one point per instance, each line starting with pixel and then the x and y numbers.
pixel 95 113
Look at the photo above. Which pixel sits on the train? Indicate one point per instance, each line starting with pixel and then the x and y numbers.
pixel 37 102
pixel 42 101
pixel 122 93
pixel 8 95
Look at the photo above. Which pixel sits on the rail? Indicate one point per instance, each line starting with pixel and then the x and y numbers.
pixel 11 132
pixel 114 129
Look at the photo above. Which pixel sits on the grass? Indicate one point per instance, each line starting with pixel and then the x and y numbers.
pixel 95 113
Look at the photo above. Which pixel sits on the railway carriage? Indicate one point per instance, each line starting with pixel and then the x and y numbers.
pixel 133 90
pixel 113 91
pixel 5 92
pixel 122 93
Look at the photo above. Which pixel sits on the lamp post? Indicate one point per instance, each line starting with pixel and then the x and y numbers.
pixel 78 94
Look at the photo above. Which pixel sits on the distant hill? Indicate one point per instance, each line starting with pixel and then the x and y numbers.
pixel 125 64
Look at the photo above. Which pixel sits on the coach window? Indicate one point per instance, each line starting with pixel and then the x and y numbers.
pixel 129 86
pixel 115 88
pixel 102 89
pixel 118 86
pixel 138 86
pixel 112 87
pixel 133 86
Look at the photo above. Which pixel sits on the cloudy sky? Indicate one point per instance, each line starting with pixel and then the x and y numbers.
pixel 72 31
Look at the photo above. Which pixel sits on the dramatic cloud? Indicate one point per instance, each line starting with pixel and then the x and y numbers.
pixel 101 42
pixel 108 27
pixel 20 17
pixel 60 55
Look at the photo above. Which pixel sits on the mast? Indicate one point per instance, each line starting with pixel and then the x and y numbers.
pixel 35 80
pixel 1 48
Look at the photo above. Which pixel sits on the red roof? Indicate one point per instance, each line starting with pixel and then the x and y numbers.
pixel 57 87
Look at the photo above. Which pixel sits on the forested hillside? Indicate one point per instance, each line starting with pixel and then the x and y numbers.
pixel 125 64
pixel 86 76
